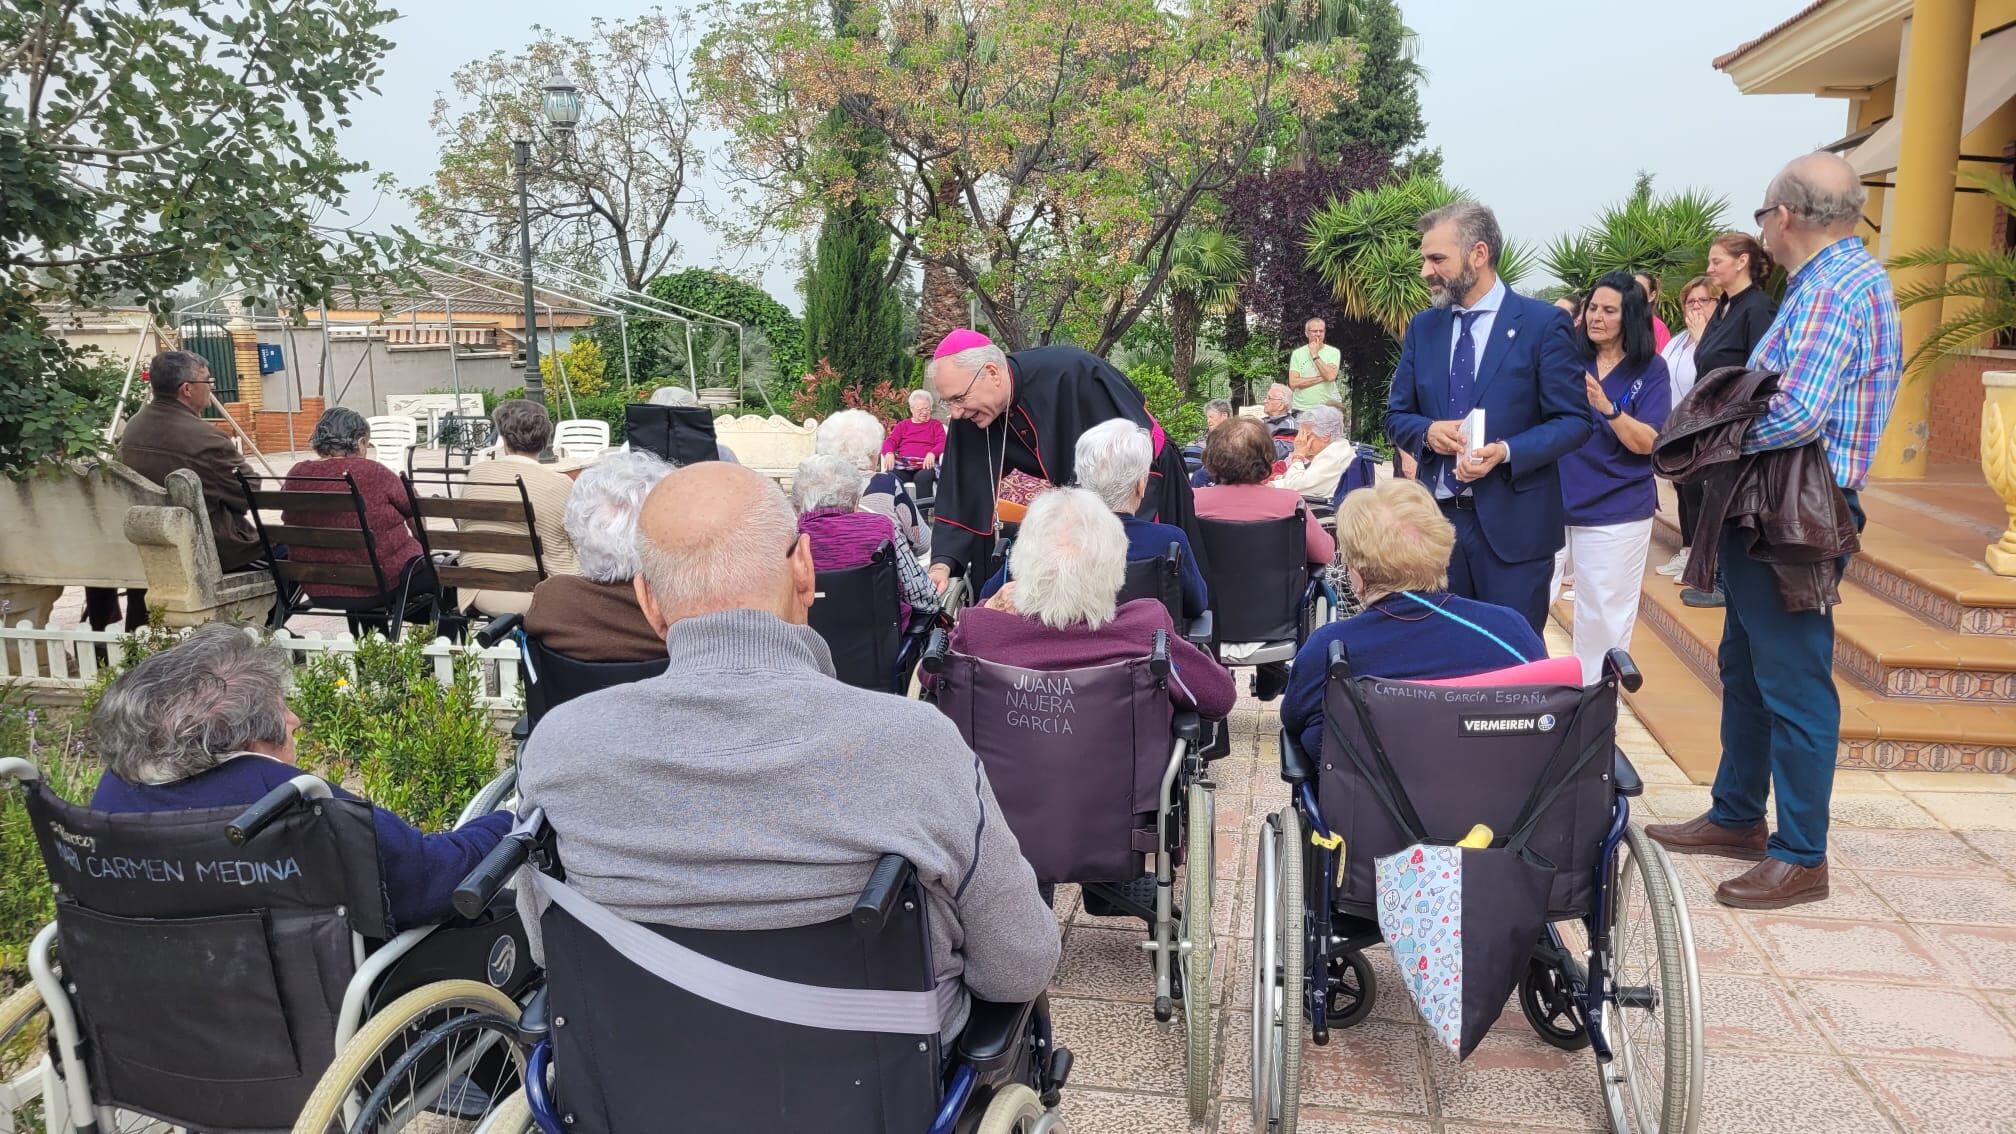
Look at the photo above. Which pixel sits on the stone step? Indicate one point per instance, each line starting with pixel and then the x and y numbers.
pixel 1896 651
pixel 1880 732
pixel 1921 558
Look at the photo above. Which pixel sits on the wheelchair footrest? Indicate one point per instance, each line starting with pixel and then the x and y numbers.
pixel 1114 899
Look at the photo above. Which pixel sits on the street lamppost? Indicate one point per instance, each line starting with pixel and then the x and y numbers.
pixel 563 111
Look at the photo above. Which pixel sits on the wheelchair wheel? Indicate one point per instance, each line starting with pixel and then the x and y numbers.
pixel 1015 1109
pixel 23 1024
pixel 441 1058
pixel 1196 963
pixel 1352 992
pixel 1653 1018
pixel 1278 976
pixel 1547 999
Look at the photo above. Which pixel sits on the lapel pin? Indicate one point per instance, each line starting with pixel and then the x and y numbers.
pixel 1511 332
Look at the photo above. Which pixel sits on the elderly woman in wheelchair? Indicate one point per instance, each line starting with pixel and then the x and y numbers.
pixel 1074 701
pixel 1461 800
pixel 228 927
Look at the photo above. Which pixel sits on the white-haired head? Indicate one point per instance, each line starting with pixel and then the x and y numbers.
pixel 601 516
pixel 1069 560
pixel 1112 460
pixel 674 396
pixel 923 396
pixel 853 434
pixel 1325 423
pixel 826 480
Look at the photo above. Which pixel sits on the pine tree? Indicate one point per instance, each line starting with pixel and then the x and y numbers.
pixel 853 317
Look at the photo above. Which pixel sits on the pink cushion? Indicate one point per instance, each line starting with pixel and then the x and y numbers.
pixel 1547 671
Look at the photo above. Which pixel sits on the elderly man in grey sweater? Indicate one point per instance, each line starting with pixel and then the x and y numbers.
pixel 747 788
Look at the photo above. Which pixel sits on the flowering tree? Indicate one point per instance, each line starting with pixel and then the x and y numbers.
pixel 1044 153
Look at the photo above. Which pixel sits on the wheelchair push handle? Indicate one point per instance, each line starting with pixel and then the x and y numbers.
pixel 473 894
pixel 19 770
pixel 1619 665
pixel 273 805
pixel 936 651
pixel 878 898
pixel 498 629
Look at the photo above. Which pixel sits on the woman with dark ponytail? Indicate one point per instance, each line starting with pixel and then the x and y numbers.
pixel 1738 265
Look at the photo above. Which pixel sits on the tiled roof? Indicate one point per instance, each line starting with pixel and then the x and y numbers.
pixel 1727 58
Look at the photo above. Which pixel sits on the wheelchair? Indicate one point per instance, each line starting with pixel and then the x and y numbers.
pixel 1126 743
pixel 858 614
pixel 1266 599
pixel 1614 969
pixel 832 1028
pixel 209 970
pixel 552 678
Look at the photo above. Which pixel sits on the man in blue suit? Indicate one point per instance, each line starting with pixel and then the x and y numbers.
pixel 1515 358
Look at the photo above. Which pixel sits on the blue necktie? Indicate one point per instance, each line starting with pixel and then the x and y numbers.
pixel 1462 390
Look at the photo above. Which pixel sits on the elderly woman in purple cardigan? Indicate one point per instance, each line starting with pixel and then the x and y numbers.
pixel 826 490
pixel 1062 609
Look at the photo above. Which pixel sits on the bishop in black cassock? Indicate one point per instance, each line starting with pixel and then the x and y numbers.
pixel 1025 412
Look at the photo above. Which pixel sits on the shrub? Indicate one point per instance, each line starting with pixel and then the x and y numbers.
pixel 586 367
pixel 52 742
pixel 1182 418
pixel 379 721
pixel 825 391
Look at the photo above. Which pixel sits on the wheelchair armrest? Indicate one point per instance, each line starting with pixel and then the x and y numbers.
pixel 1625 776
pixel 1187 726
pixel 521 731
pixel 498 628
pixel 994 1034
pixel 534 1020
pixel 1201 630
pixel 1296 766
pixel 878 898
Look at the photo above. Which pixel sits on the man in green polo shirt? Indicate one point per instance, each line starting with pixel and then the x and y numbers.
pixel 1312 370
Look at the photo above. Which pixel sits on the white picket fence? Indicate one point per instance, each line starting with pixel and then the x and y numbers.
pixel 55 658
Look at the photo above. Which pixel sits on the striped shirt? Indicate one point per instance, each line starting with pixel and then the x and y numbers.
pixel 1839 351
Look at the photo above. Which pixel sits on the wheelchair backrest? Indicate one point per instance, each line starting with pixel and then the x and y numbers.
pixel 1259 572
pixel 638 1053
pixel 680 434
pixel 1161 579
pixel 208 977
pixel 858 614
pixel 1466 755
pixel 1075 757
pixel 554 678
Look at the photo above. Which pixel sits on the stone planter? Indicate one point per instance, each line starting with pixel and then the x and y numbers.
pixel 1998 460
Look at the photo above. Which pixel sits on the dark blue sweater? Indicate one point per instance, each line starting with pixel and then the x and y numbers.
pixel 1146 539
pixel 420 871
pixel 1399 638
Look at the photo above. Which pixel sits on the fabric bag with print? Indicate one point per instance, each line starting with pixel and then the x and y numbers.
pixel 1462 921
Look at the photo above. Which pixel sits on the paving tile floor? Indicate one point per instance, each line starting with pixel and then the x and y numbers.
pixel 1888 1008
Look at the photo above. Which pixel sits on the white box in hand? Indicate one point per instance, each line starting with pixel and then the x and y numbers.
pixel 1473 431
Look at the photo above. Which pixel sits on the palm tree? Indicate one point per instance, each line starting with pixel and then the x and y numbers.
pixel 1205 271
pixel 1987 282
pixel 1664 237
pixel 1366 249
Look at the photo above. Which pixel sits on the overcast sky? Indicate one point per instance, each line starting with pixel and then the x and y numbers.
pixel 1544 109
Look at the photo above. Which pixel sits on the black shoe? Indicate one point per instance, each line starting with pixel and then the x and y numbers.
pixel 1699 598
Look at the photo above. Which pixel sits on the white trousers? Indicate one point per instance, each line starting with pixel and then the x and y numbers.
pixel 1608 564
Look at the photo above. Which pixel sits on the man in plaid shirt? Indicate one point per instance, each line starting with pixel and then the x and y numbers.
pixel 1838 349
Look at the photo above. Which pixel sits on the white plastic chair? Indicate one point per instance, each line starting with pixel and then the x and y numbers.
pixel 391 438
pixel 581 439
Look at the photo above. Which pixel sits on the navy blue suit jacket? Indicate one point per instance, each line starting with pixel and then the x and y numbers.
pixel 1529 383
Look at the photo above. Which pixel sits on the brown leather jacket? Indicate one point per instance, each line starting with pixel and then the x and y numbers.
pixel 166 435
pixel 1782 504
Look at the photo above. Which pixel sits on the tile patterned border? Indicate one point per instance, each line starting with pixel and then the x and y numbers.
pixel 1991 620
pixel 1865 753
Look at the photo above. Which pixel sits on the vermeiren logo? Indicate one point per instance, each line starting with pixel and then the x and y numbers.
pixel 1505 725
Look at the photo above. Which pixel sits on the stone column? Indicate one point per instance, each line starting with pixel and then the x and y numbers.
pixel 1935 88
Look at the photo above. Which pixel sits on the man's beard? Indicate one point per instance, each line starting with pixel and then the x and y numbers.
pixel 1448 293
